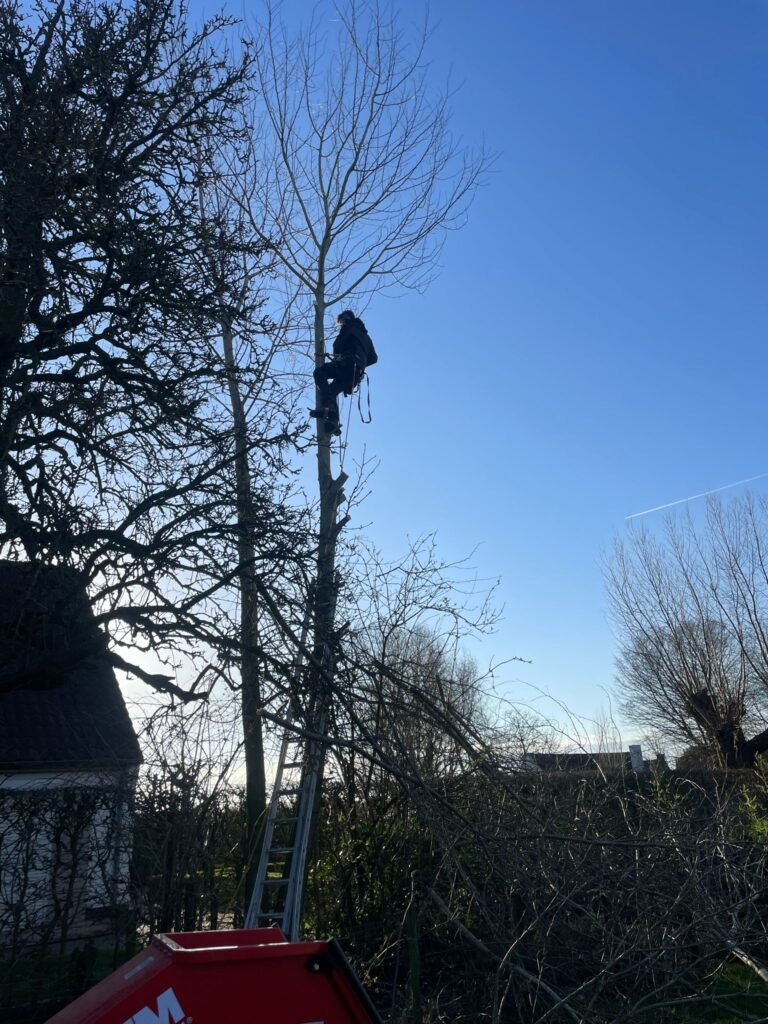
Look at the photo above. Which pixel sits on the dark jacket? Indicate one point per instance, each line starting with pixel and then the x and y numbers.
pixel 349 345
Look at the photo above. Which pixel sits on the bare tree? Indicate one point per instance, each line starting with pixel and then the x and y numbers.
pixel 116 455
pixel 354 179
pixel 691 612
pixel 264 435
pixel 104 375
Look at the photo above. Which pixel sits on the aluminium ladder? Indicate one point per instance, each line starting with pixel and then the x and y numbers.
pixel 277 891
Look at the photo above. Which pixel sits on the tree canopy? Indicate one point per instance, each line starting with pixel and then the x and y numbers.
pixel 115 454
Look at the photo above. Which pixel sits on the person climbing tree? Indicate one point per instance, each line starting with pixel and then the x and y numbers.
pixel 353 353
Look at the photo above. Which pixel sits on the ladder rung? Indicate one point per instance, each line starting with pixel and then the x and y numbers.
pixel 290 791
pixel 275 850
pixel 276 881
pixel 293 764
pixel 286 821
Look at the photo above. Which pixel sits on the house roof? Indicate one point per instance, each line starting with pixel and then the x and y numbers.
pixel 65 710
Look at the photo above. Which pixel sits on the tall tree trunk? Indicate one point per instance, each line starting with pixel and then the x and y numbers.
pixel 323 594
pixel 330 488
pixel 250 667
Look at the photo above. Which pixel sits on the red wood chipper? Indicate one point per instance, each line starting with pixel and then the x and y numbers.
pixel 246 976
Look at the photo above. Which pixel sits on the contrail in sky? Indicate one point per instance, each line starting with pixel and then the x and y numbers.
pixel 692 497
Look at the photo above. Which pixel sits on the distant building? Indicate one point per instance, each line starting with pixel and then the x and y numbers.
pixel 608 762
pixel 69 760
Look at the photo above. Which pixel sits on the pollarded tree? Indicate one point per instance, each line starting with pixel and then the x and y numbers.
pixel 691 610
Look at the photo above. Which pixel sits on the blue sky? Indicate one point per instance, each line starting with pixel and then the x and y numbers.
pixel 595 342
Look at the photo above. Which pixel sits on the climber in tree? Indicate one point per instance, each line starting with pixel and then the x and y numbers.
pixel 353 352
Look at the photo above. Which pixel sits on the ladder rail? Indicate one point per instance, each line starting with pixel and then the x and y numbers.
pixel 297 850
pixel 257 896
pixel 298 867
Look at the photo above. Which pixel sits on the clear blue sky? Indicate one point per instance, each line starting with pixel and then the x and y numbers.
pixel 595 342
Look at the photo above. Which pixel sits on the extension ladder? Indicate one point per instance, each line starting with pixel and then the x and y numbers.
pixel 277 891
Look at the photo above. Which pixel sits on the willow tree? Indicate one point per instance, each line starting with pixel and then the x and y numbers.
pixel 691 607
pixel 354 179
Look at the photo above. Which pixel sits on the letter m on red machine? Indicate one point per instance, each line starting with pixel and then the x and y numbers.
pixel 168 1011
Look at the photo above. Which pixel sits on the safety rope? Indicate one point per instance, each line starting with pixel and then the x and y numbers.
pixel 348 417
pixel 343 444
pixel 360 397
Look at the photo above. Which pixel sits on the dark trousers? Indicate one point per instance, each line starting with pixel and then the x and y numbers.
pixel 333 378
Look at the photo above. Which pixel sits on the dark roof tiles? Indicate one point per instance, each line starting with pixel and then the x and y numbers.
pixel 65 710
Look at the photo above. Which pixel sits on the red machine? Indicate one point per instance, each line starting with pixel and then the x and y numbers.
pixel 251 976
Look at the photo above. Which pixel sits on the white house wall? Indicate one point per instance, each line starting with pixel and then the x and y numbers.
pixel 62 876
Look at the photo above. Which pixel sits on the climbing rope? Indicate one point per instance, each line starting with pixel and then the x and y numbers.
pixel 343 444
pixel 360 398
pixel 347 408
pixel 348 418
